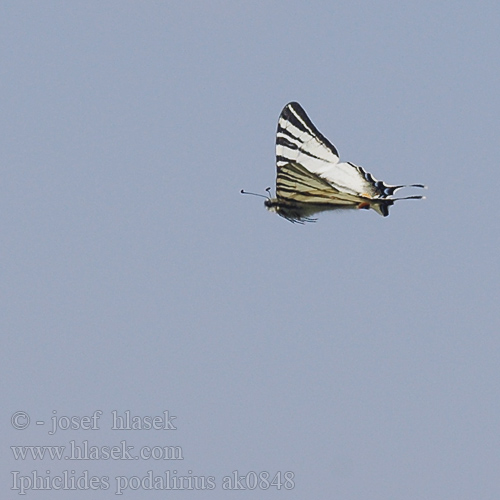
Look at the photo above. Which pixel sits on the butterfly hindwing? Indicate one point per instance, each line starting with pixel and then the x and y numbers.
pixel 294 182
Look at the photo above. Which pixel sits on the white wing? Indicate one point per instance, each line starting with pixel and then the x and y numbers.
pixel 299 141
pixel 311 179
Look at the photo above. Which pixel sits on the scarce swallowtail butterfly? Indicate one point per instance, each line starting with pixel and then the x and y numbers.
pixel 311 179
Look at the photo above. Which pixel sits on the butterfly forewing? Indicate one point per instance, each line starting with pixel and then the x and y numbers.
pixel 298 140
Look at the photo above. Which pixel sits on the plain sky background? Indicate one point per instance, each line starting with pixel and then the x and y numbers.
pixel 359 352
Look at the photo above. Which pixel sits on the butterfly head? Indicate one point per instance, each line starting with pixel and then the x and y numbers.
pixel 272 205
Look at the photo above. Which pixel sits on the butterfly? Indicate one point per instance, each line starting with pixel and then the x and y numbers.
pixel 311 179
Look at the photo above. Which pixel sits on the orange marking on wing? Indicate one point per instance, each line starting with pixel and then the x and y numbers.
pixel 365 204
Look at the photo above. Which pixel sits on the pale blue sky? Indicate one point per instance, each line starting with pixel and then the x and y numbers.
pixel 359 352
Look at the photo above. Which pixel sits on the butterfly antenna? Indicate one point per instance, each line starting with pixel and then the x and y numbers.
pixel 257 194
